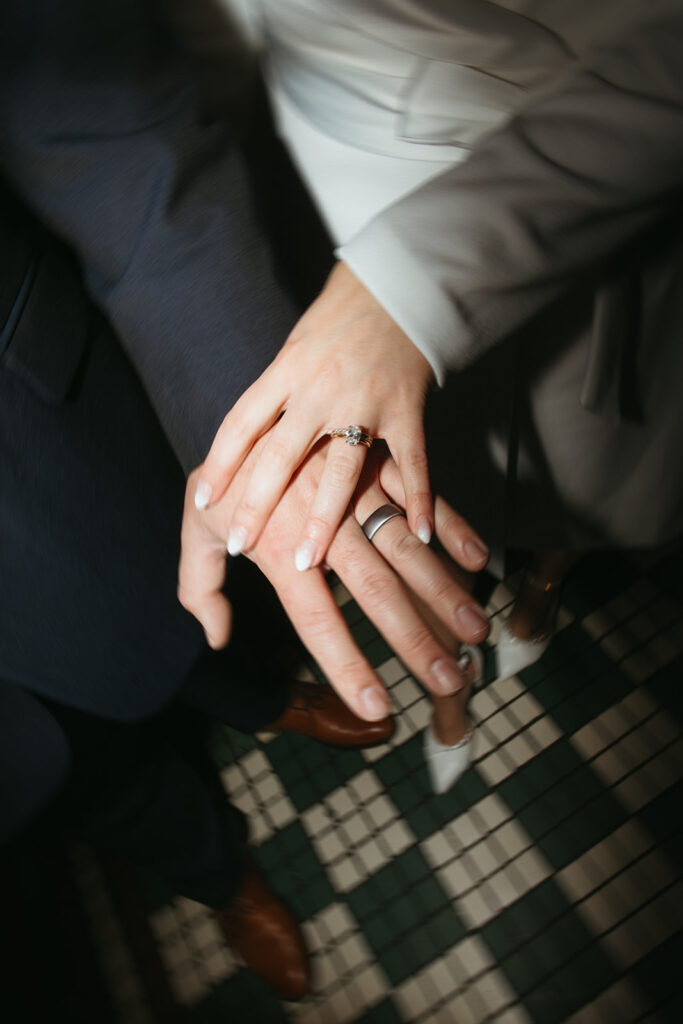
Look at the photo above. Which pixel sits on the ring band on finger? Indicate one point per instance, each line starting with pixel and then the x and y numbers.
pixel 353 435
pixel 378 518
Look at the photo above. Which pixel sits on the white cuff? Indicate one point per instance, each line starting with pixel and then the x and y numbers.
pixel 416 299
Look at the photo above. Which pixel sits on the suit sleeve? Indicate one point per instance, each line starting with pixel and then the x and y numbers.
pixel 101 135
pixel 564 185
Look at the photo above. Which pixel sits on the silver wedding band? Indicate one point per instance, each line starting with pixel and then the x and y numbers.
pixel 378 518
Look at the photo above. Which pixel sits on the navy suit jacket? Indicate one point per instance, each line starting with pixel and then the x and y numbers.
pixel 135 270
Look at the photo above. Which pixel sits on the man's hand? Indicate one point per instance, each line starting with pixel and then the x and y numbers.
pixel 307 599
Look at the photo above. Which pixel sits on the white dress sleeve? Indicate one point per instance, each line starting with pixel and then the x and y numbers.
pixel 474 253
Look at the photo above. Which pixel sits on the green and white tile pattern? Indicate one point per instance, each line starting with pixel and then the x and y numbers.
pixel 545 887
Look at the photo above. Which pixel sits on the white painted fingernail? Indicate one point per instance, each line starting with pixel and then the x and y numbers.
pixel 446 676
pixel 202 496
pixel 305 553
pixel 236 539
pixel 424 529
pixel 375 703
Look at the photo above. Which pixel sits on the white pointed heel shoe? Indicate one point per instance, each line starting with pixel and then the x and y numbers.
pixel 446 764
pixel 513 654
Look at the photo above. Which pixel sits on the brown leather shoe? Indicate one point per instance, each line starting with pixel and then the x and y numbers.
pixel 314 709
pixel 259 927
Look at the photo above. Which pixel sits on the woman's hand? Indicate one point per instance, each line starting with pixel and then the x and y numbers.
pixel 375 574
pixel 346 363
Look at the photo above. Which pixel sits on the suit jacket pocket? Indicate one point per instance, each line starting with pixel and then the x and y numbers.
pixel 45 332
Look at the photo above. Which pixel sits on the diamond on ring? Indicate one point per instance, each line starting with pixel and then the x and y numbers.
pixel 353 435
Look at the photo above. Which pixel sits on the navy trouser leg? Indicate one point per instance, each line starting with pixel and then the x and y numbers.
pixel 133 792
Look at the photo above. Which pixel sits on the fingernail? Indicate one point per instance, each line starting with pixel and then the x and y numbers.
pixel 236 539
pixel 202 496
pixel 475 550
pixel 446 676
pixel 375 703
pixel 303 558
pixel 471 619
pixel 424 529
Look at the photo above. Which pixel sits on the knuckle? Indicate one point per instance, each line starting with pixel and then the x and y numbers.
pixel 247 514
pixel 419 501
pixel 221 453
pixel 318 527
pixel 442 592
pixel 354 672
pixel 342 471
pixel 405 546
pixel 236 425
pixel 416 460
pixel 277 454
pixel 316 622
pixel 379 588
pixel 418 645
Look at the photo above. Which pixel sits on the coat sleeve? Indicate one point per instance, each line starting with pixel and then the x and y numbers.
pixel 577 175
pixel 100 133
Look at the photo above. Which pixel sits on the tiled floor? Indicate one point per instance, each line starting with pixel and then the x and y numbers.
pixel 545 887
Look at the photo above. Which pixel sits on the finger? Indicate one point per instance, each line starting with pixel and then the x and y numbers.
pixel 410 455
pixel 201 574
pixel 459 539
pixel 340 476
pixel 313 611
pixel 453 531
pixel 384 600
pixel 253 414
pixel 425 573
pixel 285 448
